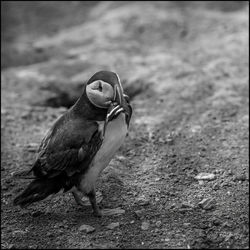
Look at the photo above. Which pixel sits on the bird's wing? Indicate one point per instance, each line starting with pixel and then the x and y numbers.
pixel 67 151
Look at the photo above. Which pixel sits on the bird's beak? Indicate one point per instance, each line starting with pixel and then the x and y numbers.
pixel 119 104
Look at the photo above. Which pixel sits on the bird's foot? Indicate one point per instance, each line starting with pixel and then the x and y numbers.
pixel 78 199
pixel 92 198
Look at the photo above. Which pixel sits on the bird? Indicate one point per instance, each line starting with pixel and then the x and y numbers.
pixel 81 143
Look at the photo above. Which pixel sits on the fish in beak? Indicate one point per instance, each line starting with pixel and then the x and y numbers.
pixel 120 104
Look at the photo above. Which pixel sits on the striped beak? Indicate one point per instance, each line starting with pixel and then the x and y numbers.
pixel 119 104
pixel 116 106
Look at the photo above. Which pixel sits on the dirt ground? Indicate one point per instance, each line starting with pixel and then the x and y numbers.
pixel 185 66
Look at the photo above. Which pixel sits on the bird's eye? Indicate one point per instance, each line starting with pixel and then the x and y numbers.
pixel 100 87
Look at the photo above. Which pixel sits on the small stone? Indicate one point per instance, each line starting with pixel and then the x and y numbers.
pixel 142 201
pixel 240 177
pixel 225 184
pixel 140 213
pixel 229 237
pixel 36 214
pixel 205 176
pixel 25 115
pixel 4 187
pixel 158 223
pixel 226 224
pixel 49 234
pixel 10 118
pixel 120 157
pixel 86 228
pixel 12 246
pixel 207 203
pixel 186 205
pixel 216 222
pixel 145 225
pixel 32 147
pixel 113 225
pixel 4 111
pixel 172 206
pixel 216 186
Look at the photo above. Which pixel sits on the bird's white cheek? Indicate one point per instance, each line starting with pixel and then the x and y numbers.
pixel 97 98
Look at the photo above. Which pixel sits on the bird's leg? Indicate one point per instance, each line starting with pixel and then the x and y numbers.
pixel 92 199
pixel 78 198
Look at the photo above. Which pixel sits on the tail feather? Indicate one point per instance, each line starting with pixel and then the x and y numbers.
pixel 38 190
pixel 24 175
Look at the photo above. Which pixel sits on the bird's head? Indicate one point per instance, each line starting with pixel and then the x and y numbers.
pixel 100 93
pixel 104 91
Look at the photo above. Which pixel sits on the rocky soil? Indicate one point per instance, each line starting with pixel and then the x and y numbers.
pixel 181 179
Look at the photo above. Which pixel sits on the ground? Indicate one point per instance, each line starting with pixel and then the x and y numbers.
pixel 185 66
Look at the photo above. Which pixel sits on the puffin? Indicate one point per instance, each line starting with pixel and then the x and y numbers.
pixel 81 143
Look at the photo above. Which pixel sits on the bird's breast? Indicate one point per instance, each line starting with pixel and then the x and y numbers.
pixel 116 131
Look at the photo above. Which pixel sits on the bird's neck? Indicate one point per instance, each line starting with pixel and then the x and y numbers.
pixel 85 108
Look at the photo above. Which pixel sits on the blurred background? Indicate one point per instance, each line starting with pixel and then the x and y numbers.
pixel 25 21
pixel 185 66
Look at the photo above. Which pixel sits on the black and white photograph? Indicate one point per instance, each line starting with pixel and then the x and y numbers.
pixel 124 124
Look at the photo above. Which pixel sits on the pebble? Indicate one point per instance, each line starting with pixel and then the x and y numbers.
pixel 4 188
pixel 140 213
pixel 229 237
pixel 4 112
pixel 120 158
pixel 207 203
pixel 145 225
pixel 186 205
pixel 12 246
pixel 32 147
pixel 113 225
pixel 226 224
pixel 36 214
pixel 25 115
pixel 86 228
pixel 158 223
pixel 216 186
pixel 240 177
pixel 142 201
pixel 226 184
pixel 216 222
pixel 49 234
pixel 205 176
